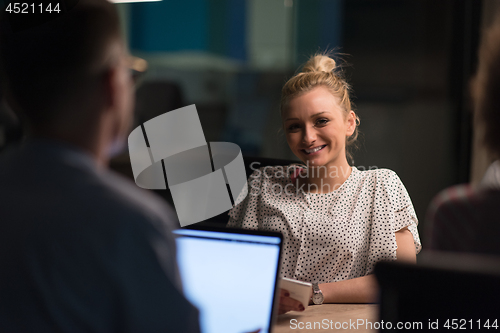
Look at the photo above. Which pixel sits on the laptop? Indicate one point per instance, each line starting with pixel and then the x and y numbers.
pixel 231 276
pixel 444 291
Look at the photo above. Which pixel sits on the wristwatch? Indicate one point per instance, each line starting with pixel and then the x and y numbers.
pixel 317 296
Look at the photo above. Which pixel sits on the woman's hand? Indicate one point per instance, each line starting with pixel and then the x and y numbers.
pixel 288 304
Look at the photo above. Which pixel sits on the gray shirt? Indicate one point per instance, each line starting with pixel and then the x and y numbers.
pixel 83 250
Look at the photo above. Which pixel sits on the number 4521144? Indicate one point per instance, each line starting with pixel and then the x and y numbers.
pixel 27 8
pixel 462 324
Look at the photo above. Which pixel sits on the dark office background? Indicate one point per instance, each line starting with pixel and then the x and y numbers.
pixel 409 63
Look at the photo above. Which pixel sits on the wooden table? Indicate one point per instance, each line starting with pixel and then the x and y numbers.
pixel 329 317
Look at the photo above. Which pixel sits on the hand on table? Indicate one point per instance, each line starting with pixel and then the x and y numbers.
pixel 288 304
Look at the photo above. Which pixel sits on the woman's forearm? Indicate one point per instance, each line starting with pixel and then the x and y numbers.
pixel 365 289
pixel 359 290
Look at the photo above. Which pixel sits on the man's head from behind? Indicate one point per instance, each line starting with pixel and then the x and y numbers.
pixel 64 73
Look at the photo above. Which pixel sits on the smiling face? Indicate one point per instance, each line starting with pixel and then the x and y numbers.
pixel 317 127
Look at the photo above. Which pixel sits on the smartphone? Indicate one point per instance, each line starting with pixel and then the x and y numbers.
pixel 299 290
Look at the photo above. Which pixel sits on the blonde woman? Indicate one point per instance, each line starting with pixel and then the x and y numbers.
pixel 337 221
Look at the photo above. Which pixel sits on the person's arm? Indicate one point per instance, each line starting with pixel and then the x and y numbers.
pixel 151 295
pixel 364 289
pixel 406 246
pixel 359 290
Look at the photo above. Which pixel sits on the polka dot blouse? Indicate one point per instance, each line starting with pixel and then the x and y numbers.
pixel 331 236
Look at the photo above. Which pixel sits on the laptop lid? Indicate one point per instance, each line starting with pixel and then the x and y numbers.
pixel 230 276
pixel 444 291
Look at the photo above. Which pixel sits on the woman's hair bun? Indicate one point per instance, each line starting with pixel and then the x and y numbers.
pixel 319 63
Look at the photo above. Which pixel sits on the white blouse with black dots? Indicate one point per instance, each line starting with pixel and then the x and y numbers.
pixel 329 236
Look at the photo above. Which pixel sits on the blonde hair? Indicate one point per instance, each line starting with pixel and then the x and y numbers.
pixel 322 70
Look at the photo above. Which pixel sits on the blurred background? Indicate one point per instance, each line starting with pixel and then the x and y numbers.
pixel 409 63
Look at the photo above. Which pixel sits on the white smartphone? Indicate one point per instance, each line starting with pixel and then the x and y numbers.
pixel 299 290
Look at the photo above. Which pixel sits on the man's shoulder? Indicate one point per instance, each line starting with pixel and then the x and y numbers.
pixel 70 181
pixel 126 196
pixel 466 196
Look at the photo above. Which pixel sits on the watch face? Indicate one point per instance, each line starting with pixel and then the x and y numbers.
pixel 317 298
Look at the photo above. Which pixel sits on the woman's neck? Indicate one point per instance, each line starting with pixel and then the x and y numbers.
pixel 325 178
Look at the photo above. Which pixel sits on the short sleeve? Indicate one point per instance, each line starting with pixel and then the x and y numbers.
pixel 246 213
pixel 404 213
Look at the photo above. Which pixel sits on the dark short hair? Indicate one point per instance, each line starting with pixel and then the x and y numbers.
pixel 45 63
pixel 486 88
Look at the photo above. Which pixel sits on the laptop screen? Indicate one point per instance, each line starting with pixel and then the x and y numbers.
pixel 230 276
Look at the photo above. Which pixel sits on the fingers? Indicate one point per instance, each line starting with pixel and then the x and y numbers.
pixel 288 304
pixel 284 293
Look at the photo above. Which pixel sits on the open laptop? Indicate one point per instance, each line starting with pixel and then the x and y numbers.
pixel 230 276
